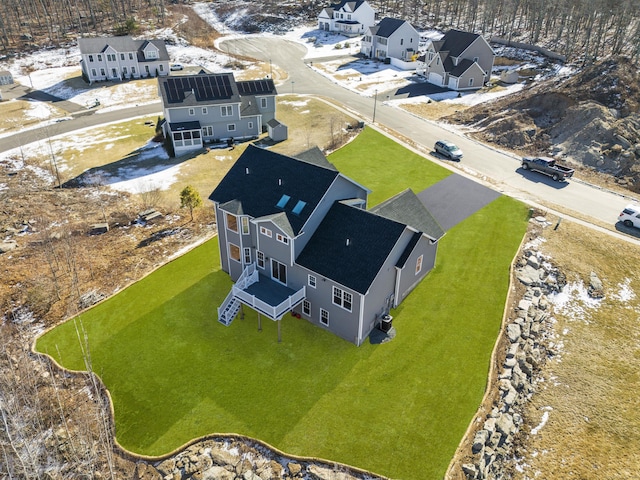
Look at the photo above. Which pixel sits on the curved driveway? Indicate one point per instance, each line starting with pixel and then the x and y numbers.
pixel 499 170
pixel 481 161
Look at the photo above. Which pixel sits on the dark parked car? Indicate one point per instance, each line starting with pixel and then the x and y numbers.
pixel 448 149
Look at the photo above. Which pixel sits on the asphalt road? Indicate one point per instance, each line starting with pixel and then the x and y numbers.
pixel 485 164
pixel 498 169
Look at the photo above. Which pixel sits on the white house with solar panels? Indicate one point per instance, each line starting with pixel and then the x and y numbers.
pixel 209 108
pixel 296 237
pixel 121 58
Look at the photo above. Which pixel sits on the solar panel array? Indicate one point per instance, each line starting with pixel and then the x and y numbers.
pixel 253 87
pixel 205 87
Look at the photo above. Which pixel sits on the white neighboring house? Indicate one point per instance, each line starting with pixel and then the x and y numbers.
pixel 391 38
pixel 120 58
pixel 348 18
pixel 459 61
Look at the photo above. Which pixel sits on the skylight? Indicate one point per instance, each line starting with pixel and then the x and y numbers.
pixel 283 201
pixel 299 206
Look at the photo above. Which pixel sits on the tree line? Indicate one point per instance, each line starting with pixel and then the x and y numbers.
pixel 578 29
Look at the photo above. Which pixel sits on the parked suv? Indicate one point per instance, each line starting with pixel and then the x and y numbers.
pixel 630 216
pixel 448 150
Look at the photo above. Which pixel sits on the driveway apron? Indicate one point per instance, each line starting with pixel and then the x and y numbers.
pixel 455 198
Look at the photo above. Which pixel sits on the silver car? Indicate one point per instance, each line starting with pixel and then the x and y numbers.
pixel 448 149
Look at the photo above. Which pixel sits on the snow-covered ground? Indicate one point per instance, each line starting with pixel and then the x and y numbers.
pixel 57 71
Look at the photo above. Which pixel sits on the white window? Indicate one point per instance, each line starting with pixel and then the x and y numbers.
pixel 471 82
pixel 133 70
pixel 306 308
pixel 250 125
pixel 122 56
pixel 232 222
pixel 207 131
pixel 247 256
pixel 93 72
pixel 265 231
pixel 152 54
pixel 260 259
pixel 111 57
pixel 263 103
pixel 245 225
pixel 282 239
pixel 324 317
pixel 419 264
pixel 312 281
pixel 204 110
pixel 234 252
pixel 102 72
pixel 226 110
pixel 161 67
pixel 91 58
pixel 192 112
pixel 231 127
pixel 99 58
pixel 130 56
pixel 342 299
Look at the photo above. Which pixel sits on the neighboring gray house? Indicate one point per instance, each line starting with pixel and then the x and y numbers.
pixel 295 236
pixel 204 108
pixel 348 18
pixel 459 61
pixel 6 78
pixel 119 58
pixel 391 38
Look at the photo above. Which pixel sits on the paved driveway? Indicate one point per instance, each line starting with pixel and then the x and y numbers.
pixel 455 198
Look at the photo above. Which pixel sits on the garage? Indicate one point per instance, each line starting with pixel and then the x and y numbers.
pixel 435 78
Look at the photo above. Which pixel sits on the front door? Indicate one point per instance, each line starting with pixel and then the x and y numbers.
pixel 279 271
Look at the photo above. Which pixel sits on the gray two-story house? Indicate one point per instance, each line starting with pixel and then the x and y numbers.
pixel 459 61
pixel 390 38
pixel 121 58
pixel 206 108
pixel 296 236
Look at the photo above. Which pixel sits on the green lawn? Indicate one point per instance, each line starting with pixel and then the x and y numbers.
pixel 398 409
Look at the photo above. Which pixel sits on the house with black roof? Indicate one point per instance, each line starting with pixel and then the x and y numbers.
pixel 459 61
pixel 391 38
pixel 296 237
pixel 349 18
pixel 120 58
pixel 212 107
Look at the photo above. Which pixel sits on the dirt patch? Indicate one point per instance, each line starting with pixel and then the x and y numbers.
pixel 590 118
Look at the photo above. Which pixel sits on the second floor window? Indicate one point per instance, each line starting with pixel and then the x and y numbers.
pixel 245 225
pixel 419 264
pixel 260 259
pixel 342 299
pixel 282 238
pixel 265 231
pixel 130 56
pixel 192 112
pixel 312 281
pixel 226 110
pixel 263 103
pixel 232 222
pixel 91 58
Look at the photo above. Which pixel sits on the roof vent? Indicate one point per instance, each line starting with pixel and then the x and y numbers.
pixel 348 241
pixel 246 170
pixel 279 181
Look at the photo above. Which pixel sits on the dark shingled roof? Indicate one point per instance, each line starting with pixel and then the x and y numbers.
pixel 353 5
pixel 260 178
pixel 314 155
pixel 407 208
pixel 387 26
pixel 464 65
pixel 456 41
pixel 123 44
pixel 350 246
pixel 408 249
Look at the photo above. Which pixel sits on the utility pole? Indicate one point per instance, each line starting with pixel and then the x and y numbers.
pixel 375 101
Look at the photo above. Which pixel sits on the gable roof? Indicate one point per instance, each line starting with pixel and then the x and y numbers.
pixel 190 90
pixel 315 156
pixel 350 5
pixel 257 87
pixel 350 246
pixel 406 208
pixel 464 65
pixel 388 26
pixel 123 44
pixel 260 179
pixel 455 42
